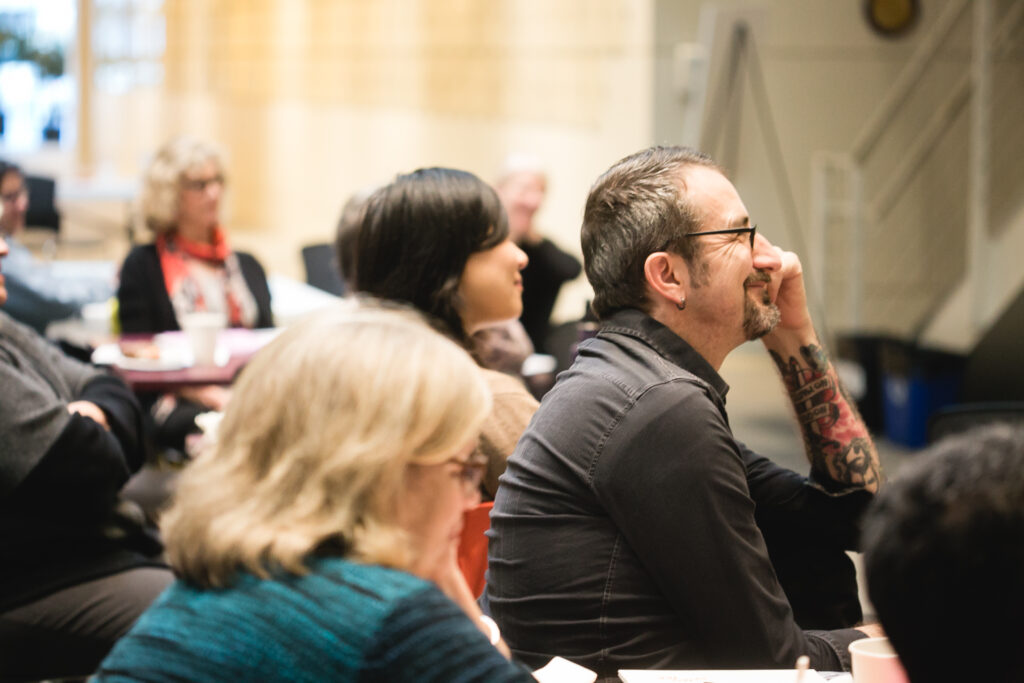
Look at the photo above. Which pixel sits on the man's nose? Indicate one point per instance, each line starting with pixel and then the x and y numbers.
pixel 766 256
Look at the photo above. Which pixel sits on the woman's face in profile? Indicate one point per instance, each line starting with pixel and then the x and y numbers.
pixel 491 286
pixel 432 505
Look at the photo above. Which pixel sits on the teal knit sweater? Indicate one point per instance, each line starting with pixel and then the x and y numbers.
pixel 341 622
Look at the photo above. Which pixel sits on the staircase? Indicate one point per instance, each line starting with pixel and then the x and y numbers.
pixel 922 220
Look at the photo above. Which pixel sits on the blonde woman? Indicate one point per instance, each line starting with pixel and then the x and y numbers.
pixel 317 540
pixel 190 267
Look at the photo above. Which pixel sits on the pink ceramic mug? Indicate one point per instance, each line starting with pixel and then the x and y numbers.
pixel 874 661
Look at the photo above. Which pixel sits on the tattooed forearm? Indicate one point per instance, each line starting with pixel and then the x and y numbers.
pixel 837 442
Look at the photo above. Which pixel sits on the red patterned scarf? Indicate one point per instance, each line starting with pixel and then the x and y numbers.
pixel 187 268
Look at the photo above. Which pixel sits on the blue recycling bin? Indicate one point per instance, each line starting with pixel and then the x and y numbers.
pixel 917 382
pixel 865 350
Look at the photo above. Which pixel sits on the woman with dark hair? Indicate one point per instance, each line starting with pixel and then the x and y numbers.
pixel 438 239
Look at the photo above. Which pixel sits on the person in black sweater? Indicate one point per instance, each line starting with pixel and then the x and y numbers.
pixel 76 572
pixel 189 268
pixel 521 186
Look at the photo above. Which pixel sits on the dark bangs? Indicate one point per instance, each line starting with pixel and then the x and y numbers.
pixel 418 233
pixel 493 213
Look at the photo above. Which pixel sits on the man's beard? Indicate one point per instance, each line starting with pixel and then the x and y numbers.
pixel 759 317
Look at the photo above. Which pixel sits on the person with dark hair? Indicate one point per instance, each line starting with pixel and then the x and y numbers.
pixel 438 239
pixel 631 529
pixel 75 572
pixel 345 236
pixel 35 295
pixel 944 544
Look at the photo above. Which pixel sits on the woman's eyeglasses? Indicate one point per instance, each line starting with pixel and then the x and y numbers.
pixel 471 473
pixel 200 184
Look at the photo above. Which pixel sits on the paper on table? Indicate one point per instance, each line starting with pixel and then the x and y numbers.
pixel 168 359
pixel 718 676
pixel 560 670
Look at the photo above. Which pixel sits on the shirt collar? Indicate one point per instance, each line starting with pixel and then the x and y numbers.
pixel 666 343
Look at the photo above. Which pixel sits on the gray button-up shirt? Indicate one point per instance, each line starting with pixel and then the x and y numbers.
pixel 625 532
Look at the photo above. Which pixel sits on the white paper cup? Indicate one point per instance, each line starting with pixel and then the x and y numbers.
pixel 874 661
pixel 203 330
pixel 97 317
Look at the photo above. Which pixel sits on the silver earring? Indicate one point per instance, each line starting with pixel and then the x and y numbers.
pixel 682 303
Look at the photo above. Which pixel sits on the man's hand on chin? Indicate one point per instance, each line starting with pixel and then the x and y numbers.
pixel 787 291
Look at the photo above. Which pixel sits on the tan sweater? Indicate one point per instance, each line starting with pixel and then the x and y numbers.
pixel 513 408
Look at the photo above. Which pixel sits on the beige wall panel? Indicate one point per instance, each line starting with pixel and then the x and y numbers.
pixel 125 126
pixel 317 99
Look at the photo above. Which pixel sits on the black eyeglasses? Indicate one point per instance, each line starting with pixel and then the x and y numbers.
pixel 752 230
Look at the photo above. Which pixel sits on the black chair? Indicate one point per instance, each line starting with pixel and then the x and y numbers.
pixel 322 268
pixel 961 417
pixel 42 207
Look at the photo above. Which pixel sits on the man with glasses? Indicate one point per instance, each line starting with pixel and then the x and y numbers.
pixel 36 296
pixel 631 530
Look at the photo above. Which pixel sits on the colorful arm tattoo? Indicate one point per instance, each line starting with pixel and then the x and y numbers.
pixel 835 437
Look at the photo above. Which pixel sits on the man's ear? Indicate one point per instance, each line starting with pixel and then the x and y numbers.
pixel 667 276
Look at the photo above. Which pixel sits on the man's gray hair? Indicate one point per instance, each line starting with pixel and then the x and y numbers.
pixel 637 207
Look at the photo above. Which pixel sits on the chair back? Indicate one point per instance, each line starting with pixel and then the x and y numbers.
pixel 473 546
pixel 42 208
pixel 322 268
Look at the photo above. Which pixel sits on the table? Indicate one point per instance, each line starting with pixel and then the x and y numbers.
pixel 290 300
pixel 174 369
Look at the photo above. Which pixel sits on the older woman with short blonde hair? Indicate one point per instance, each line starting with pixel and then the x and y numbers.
pixel 190 268
pixel 163 181
pixel 317 539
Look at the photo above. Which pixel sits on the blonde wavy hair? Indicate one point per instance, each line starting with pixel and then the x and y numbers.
pixel 161 184
pixel 312 452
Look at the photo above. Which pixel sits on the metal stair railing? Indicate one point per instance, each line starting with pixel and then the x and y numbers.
pixel 856 211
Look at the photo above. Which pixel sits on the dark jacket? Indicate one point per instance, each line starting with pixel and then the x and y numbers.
pixel 145 306
pixel 60 474
pixel 548 269
pixel 625 530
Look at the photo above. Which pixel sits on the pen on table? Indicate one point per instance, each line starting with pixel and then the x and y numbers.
pixel 802 663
